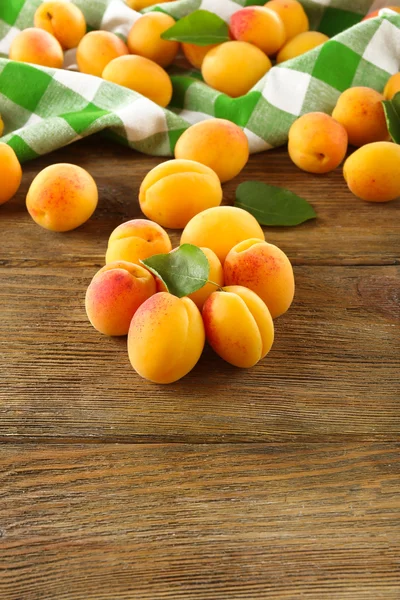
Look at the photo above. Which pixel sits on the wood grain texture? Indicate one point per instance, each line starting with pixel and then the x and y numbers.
pixel 229 487
pixel 193 522
pixel 347 231
pixel 334 369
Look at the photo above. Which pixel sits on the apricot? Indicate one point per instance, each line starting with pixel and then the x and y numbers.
pixel 175 191
pixel 1 126
pixel 392 86
pixel 317 143
pixel 360 111
pixel 259 26
pixel 96 49
pixel 38 47
pixel 10 173
pixel 293 15
pixel 220 229
pixel 63 20
pixel 234 67
pixel 195 54
pixel 145 38
pixel 238 326
pixel 217 143
pixel 114 295
pixel 166 338
pixel 300 44
pixel 216 275
pixel 141 75
pixel 373 172
pixel 140 4
pixel 375 13
pixel 265 269
pixel 62 197
pixel 136 240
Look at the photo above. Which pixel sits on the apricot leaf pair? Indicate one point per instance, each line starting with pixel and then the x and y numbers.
pixel 182 271
pixel 271 205
pixel 201 28
pixel 392 114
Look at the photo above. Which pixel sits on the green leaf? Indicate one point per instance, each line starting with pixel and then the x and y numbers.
pixel 201 27
pixel 272 205
pixel 183 271
pixel 392 114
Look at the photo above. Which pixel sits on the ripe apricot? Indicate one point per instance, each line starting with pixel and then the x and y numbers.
pixel 238 326
pixel 265 269
pixel 38 47
pixel 96 49
pixel 175 191
pixel 63 20
pixel 195 54
pixel 10 173
pixel 136 240
pixel 166 338
pixel 300 44
pixel 216 275
pixel 234 67
pixel 62 197
pixel 360 111
pixel 392 86
pixel 220 229
pixel 373 172
pixel 259 26
pixel 145 38
pixel 1 126
pixel 217 143
pixel 114 295
pixel 293 15
pixel 317 143
pixel 141 75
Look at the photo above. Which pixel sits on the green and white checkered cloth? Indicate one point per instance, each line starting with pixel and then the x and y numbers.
pixel 45 109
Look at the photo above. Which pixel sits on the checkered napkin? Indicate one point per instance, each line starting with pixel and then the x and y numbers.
pixel 45 109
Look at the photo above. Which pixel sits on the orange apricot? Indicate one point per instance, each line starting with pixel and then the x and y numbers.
pixel 96 49
pixel 38 47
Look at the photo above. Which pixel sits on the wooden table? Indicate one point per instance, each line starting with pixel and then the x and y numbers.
pixel 282 481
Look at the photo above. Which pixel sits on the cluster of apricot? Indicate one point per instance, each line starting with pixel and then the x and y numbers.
pixel 318 142
pixel 280 30
pixel 250 283
pixel 61 26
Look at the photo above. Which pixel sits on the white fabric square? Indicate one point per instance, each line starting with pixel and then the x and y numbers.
pixel 223 8
pixel 33 119
pixel 119 18
pixel 383 51
pixel 286 89
pixel 194 116
pixel 142 119
pixel 5 43
pixel 256 144
pixel 84 85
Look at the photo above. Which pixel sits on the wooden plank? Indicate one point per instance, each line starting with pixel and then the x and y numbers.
pixel 348 231
pixel 197 522
pixel 333 372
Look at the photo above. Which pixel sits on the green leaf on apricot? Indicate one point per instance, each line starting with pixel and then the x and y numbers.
pixel 273 206
pixel 182 271
pixel 201 28
pixel 392 114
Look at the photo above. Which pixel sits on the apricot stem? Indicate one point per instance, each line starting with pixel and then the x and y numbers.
pixel 216 285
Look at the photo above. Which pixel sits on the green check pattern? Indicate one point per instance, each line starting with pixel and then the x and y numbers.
pixel 45 109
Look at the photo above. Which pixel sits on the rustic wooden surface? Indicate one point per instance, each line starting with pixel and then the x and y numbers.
pixel 277 482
